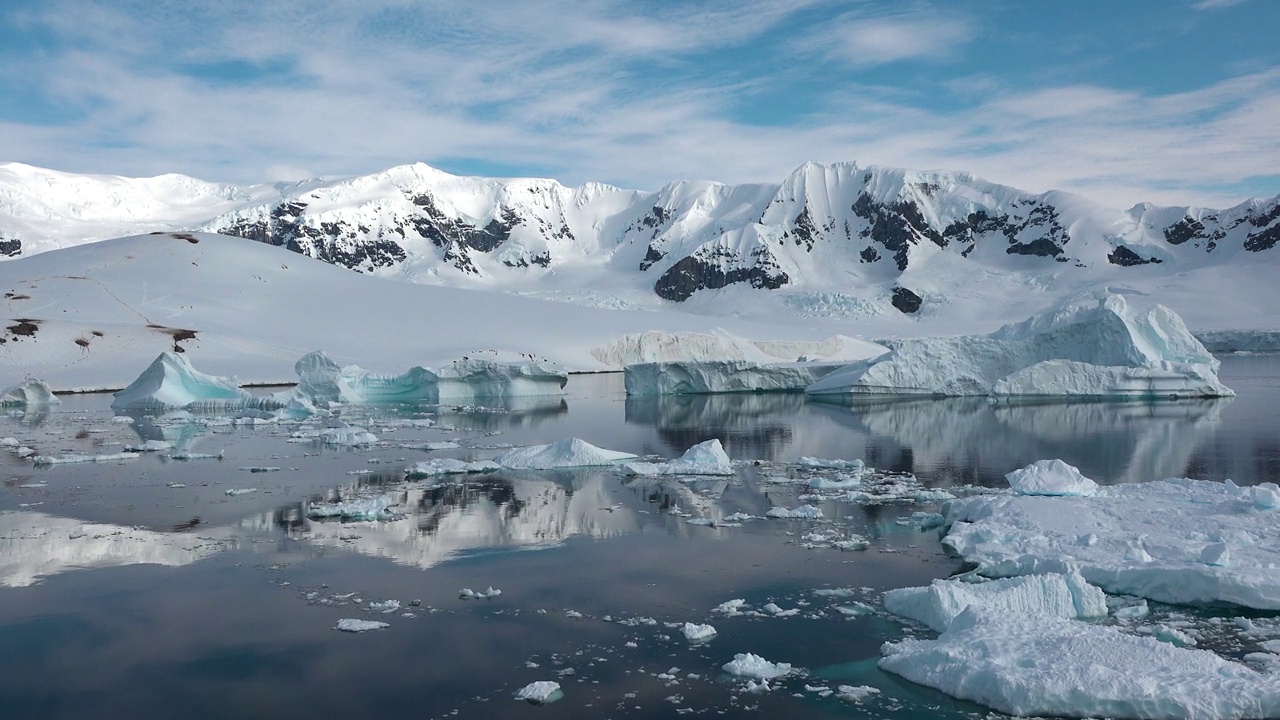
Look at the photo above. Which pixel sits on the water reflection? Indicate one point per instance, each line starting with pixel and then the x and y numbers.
pixel 761 423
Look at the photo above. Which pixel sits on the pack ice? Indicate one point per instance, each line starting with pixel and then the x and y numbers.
pixel 171 383
pixel 1096 345
pixel 1041 665
pixel 726 376
pixel 1178 541
pixel 322 381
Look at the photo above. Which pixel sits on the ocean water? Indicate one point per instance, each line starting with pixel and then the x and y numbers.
pixel 142 588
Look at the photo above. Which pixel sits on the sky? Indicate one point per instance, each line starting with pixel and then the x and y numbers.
pixel 1168 101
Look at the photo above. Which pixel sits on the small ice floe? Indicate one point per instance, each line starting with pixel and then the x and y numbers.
pixel 354 625
pixel 836 592
pixel 813 463
pixel 842 481
pixel 71 459
pixel 361 509
pixel 175 485
pixel 241 491
pixel 697 633
pixel 807 512
pixel 754 666
pixel 347 436
pixel 31 485
pixel 149 446
pixel 856 693
pixel 564 454
pixel 1054 594
pixel 447 466
pixel 258 469
pixel 185 456
pixel 738 517
pixel 855 609
pixel 776 611
pixel 384 607
pixel 487 594
pixel 1140 609
pixel 542 692
pixel 1050 477
pixel 705 458
pixel 731 607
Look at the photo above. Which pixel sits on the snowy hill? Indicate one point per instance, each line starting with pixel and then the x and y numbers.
pixel 845 241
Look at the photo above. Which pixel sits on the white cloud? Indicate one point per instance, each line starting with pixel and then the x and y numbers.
pixel 878 41
pixel 1214 4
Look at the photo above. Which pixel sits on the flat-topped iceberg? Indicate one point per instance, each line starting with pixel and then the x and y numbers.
pixel 705 458
pixel 1060 595
pixel 1177 541
pixel 1029 664
pixel 569 453
pixel 1099 345
pixel 322 381
pixel 29 392
pixel 723 376
pixel 171 383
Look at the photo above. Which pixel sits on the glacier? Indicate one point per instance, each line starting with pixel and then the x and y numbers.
pixel 1030 664
pixel 1095 345
pixel 1178 541
pixel 723 376
pixel 171 383
pixel 29 392
pixel 1061 595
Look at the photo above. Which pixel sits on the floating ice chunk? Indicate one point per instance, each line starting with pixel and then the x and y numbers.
pixel 149 446
pixel 170 383
pixel 1173 636
pixel 469 594
pixel 1051 594
pixel 1216 554
pixel 1147 540
pixel 705 458
pixel 71 459
pixel 731 607
pixel 754 666
pixel 697 633
pixel 839 482
pixel 542 692
pixel 1265 496
pixel 365 509
pixel 448 466
pixel 240 491
pixel 1041 665
pixel 353 625
pixel 347 436
pixel 384 607
pixel 856 693
pixel 564 454
pixel 29 392
pixel 1050 477
pixel 820 464
pixel 804 511
pixel 722 376
pixel 196 456
pixel 855 609
pixel 1092 345
pixel 835 592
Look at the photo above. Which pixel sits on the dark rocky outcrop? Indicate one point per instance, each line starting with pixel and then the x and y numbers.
pixel 895 226
pixel 1125 257
pixel 716 269
pixel 905 300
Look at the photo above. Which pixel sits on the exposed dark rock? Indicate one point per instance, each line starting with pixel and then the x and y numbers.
pixel 705 270
pixel 805 231
pixel 1188 228
pixel 896 226
pixel 1125 257
pixel 905 300
pixel 1263 240
pixel 869 254
pixel 1043 247
pixel 10 246
pixel 651 256
pixel 977 223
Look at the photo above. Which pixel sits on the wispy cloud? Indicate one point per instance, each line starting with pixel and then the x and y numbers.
pixel 881 40
pixel 1215 4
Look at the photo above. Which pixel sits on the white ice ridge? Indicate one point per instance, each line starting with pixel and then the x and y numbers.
pixel 1040 665
pixel 29 392
pixel 1097 345
pixel 691 347
pixel 569 453
pixel 1177 541
pixel 171 383
pixel 1054 594
pixel 705 458
pixel 723 376
pixel 323 381
pixel 1050 477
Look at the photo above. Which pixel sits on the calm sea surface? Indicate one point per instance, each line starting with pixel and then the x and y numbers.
pixel 141 588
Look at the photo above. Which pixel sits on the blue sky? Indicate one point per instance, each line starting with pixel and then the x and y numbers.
pixel 1171 101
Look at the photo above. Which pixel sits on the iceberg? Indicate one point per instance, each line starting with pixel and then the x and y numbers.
pixel 171 383
pixel 1178 541
pixel 1096 345
pixel 754 666
pixel 569 453
pixel 722 376
pixel 29 392
pixel 541 692
pixel 1050 477
pixel 447 466
pixel 705 458
pixel 323 382
pixel 1028 664
pixel 1054 594
pixel 694 632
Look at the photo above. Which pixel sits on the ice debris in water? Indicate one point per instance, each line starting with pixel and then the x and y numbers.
pixel 856 693
pixel 240 491
pixel 171 383
pixel 384 607
pixel 697 633
pixel 1092 345
pixel 72 459
pixel 1148 540
pixel 448 466
pixel 804 511
pixel 354 625
pixel 705 458
pixel 564 454
pixel 1050 477
pixel 469 594
pixel 362 509
pixel 1041 665
pixel 754 666
pixel 541 692
pixel 149 446
pixel 1053 594
pixel 29 392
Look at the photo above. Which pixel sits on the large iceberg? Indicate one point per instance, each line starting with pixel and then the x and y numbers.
pixel 569 453
pixel 322 381
pixel 171 383
pixel 1040 665
pixel 1097 345
pixel 1177 541
pixel 722 376
pixel 1056 594
pixel 29 392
